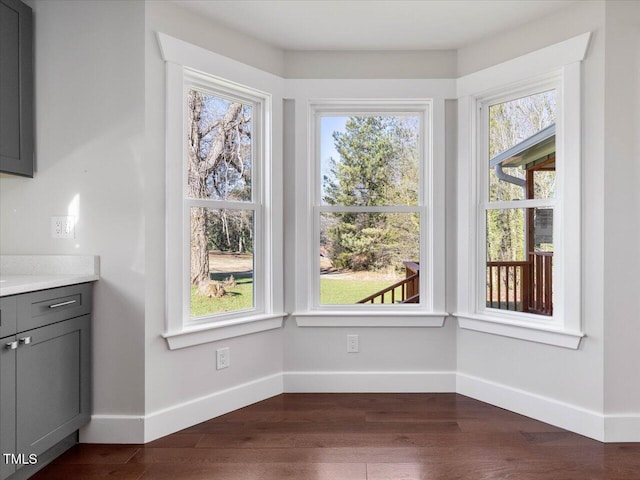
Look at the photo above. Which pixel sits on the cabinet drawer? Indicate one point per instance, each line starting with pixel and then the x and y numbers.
pixel 7 316
pixel 45 307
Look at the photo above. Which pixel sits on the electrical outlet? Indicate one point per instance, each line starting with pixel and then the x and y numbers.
pixel 223 358
pixel 353 344
pixel 63 227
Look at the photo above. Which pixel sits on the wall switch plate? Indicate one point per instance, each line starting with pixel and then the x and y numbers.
pixel 353 345
pixel 63 227
pixel 223 358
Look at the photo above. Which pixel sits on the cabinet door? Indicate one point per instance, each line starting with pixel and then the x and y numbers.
pixel 53 383
pixel 7 403
pixel 16 88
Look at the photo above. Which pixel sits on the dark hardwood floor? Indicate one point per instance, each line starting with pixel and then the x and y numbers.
pixel 357 437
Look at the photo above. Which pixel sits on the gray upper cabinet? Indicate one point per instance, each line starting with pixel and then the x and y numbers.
pixel 16 88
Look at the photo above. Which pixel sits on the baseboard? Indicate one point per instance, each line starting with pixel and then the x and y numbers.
pixel 369 382
pixel 142 429
pixel 570 417
pixel 113 429
pixel 178 417
pixel 622 428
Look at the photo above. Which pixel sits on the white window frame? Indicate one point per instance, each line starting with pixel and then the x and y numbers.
pixel 187 66
pixel 260 103
pixel 423 111
pixel 340 97
pixel 561 67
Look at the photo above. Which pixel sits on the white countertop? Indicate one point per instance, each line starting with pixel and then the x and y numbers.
pixel 14 284
pixel 28 273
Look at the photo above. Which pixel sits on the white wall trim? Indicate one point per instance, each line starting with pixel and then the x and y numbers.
pixel 369 382
pixel 113 429
pixel 526 66
pixel 143 429
pixel 564 415
pixel 622 428
pixel 538 334
pixel 130 429
pixel 214 332
pixel 183 415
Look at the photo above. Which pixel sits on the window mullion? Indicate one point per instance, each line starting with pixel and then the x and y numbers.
pixel 221 204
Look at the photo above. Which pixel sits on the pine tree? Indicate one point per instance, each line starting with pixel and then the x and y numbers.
pixel 377 166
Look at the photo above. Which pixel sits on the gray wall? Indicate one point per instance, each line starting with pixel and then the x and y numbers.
pixel 418 64
pixel 174 377
pixel 89 146
pixel 622 207
pixel 574 377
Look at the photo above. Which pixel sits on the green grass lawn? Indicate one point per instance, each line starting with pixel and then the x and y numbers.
pixel 237 298
pixel 332 292
pixel 345 292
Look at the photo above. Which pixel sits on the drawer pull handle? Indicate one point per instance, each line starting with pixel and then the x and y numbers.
pixel 62 304
pixel 25 340
pixel 11 345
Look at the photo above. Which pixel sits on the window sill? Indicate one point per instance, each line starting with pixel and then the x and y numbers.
pixel 369 319
pixel 530 332
pixel 213 332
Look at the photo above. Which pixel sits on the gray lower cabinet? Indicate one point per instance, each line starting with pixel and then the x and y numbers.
pixel 45 384
pixel 16 88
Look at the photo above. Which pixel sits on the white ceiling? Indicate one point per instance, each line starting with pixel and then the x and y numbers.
pixel 372 25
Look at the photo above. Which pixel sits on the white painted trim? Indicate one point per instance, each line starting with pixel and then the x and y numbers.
pixel 370 382
pixel 622 428
pixel 526 66
pixel 369 319
pixel 499 83
pixel 545 409
pixel 132 429
pixel 177 417
pixel 564 415
pixel 213 332
pixel 142 429
pixel 188 64
pixel 113 429
pixel 174 50
pixel 525 331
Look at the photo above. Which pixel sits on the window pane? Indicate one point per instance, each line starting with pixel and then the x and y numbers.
pixel 222 261
pixel 520 260
pixel 219 147
pixel 522 148
pixel 369 160
pixel 365 254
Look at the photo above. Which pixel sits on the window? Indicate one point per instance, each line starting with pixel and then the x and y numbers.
pixel 371 164
pixel 369 207
pixel 519 187
pixel 224 138
pixel 518 196
pixel 223 203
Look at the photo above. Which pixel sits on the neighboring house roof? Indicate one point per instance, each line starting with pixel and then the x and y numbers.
pixel 537 147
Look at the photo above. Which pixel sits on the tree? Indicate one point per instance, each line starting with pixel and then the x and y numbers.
pixel 510 123
pixel 377 165
pixel 218 155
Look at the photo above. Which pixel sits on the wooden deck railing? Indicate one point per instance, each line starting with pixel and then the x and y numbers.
pixel 522 286
pixel 507 285
pixel 399 292
pixel 406 290
pixel 541 281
